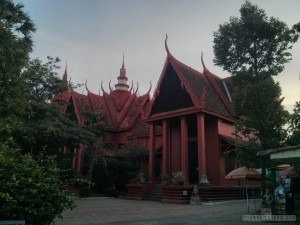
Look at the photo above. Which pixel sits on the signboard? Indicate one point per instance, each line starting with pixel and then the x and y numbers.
pixel 15 222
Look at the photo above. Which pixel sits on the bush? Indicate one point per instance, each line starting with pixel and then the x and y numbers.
pixel 30 190
pixel 112 192
pixel 84 192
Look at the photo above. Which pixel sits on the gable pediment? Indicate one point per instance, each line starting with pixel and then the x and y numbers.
pixel 171 94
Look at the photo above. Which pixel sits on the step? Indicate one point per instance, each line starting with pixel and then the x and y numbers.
pixel 155 194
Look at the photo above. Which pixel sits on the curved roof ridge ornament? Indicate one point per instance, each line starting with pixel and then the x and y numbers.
pixel 203 64
pixel 102 87
pixel 150 87
pixel 137 87
pixel 110 86
pixel 131 86
pixel 86 86
pixel 166 46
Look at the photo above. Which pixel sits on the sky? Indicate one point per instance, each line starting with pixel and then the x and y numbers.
pixel 91 36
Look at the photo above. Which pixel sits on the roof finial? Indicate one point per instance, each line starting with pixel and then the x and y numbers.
pixel 86 86
pixel 137 88
pixel 122 79
pixel 102 88
pixel 166 45
pixel 131 86
pixel 202 61
pixel 64 83
pixel 110 86
pixel 150 87
pixel 65 76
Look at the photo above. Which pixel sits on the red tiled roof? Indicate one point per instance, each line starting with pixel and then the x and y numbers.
pixel 121 109
pixel 207 91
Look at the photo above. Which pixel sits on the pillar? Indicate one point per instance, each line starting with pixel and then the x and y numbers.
pixel 151 172
pixel 79 159
pixel 165 148
pixel 74 159
pixel 184 149
pixel 201 149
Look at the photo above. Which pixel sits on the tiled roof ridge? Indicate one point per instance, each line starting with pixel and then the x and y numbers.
pixel 184 84
pixel 211 78
pixel 139 110
pixel 74 94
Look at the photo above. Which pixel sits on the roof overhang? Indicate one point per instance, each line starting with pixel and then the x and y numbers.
pixel 289 154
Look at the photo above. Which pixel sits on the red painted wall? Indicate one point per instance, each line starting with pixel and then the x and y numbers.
pixel 212 150
pixel 175 146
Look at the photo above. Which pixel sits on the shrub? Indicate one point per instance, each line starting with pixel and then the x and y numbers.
pixel 112 192
pixel 30 190
pixel 84 192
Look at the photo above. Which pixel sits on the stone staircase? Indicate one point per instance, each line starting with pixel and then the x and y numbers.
pixel 155 194
pixel 214 193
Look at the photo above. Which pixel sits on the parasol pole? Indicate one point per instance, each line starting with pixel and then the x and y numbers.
pixel 247 195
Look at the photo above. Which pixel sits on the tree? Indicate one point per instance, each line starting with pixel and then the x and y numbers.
pixel 258 103
pixel 45 124
pixel 254 48
pixel 253 42
pixel 42 81
pixel 14 54
pixel 294 121
pixel 31 187
pixel 296 28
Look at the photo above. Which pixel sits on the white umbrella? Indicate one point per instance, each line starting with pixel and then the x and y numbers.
pixel 244 173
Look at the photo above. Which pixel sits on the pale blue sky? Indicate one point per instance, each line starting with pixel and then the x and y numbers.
pixel 93 34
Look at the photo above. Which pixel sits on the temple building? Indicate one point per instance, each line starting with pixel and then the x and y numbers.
pixel 195 114
pixel 186 126
pixel 119 113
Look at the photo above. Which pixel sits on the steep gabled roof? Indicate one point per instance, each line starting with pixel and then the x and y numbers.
pixel 121 108
pixel 207 92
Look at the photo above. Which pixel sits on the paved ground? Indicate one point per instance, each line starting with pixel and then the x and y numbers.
pixel 108 211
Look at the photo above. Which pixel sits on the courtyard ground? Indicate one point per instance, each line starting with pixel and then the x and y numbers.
pixel 101 210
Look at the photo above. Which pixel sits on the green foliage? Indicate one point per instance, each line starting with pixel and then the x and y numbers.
pixel 13 18
pixel 105 172
pixel 133 151
pixel 41 79
pixel 31 186
pixel 258 101
pixel 48 126
pixel 254 42
pixel 294 128
pixel 246 154
pixel 112 192
pixel 84 192
pixel 30 189
pixel 296 28
pixel 254 48
pixel 14 54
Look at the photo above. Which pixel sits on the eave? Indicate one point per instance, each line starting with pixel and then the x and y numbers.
pixel 184 112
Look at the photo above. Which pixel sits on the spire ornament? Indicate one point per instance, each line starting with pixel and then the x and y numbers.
pixel 166 46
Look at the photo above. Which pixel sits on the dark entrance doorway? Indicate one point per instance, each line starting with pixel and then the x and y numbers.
pixel 193 163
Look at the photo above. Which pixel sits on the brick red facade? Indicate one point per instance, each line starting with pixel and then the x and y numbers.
pixel 187 125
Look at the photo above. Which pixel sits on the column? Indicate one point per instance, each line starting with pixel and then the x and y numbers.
pixel 79 159
pixel 184 149
pixel 165 148
pixel 74 159
pixel 201 149
pixel 151 172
